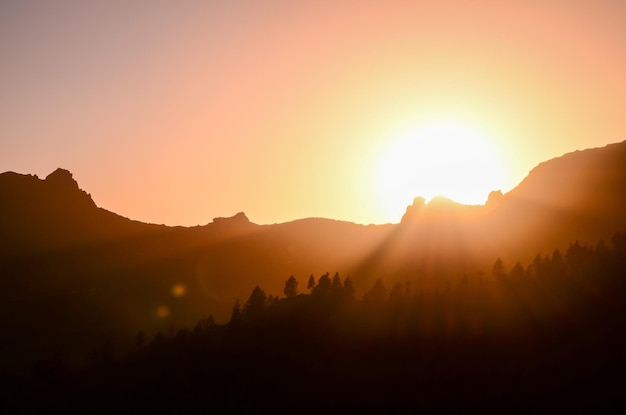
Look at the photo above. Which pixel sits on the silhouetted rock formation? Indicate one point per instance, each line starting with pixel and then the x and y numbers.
pixel 62 178
pixel 54 214
pixel 240 220
pixel 413 210
pixel 494 198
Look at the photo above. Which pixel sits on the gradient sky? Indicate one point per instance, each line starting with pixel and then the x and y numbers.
pixel 178 112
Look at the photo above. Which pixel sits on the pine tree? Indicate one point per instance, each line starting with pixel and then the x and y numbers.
pixel 498 270
pixel 235 316
pixel 256 304
pixel 324 285
pixel 291 287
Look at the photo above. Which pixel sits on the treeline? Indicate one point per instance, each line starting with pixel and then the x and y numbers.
pixel 549 335
pixel 551 290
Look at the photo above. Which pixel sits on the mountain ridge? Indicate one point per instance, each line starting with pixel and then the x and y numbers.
pixel 575 196
pixel 63 180
pixel 580 190
pixel 60 253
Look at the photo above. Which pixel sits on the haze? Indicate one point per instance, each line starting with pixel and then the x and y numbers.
pixel 179 112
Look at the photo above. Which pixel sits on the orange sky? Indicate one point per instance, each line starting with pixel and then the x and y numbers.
pixel 178 112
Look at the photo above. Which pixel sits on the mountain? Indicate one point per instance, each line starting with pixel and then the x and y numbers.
pixel 52 215
pixel 74 273
pixel 577 196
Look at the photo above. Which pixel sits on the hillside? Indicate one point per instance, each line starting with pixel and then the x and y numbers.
pixel 90 274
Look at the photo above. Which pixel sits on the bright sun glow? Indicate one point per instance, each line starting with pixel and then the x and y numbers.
pixel 441 158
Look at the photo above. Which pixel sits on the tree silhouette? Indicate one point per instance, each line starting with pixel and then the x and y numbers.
pixel 517 271
pixel 323 286
pixel 538 267
pixel 396 295
pixel 235 317
pixel 481 336
pixel 348 289
pixel 377 294
pixel 385 339
pixel 336 287
pixel 498 270
pixel 291 287
pixel 619 243
pixel 256 304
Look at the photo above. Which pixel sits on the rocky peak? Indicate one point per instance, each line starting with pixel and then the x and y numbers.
pixel 62 184
pixel 62 178
pixel 239 218
pixel 413 210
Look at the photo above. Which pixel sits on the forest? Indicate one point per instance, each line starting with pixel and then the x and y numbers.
pixel 543 336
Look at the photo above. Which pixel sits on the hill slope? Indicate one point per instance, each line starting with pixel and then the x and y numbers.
pixel 87 272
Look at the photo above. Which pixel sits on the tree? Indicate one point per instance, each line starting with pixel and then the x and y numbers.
pixel 537 268
pixel 396 295
pixel 205 324
pixel 291 287
pixel 235 316
pixel 517 272
pixel 619 243
pixel 336 286
pixel 255 306
pixel 336 282
pixel 556 264
pixel 348 289
pixel 270 300
pixel 577 257
pixel 324 285
pixel 498 269
pixel 601 250
pixel 311 285
pixel 377 294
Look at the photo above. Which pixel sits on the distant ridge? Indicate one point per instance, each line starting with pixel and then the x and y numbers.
pixel 59 252
pixel 580 195
pixel 54 214
pixel 239 219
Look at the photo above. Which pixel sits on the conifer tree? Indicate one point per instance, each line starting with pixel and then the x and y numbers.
pixel 291 287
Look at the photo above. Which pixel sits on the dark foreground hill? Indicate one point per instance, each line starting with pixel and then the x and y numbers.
pixel 545 337
pixel 75 276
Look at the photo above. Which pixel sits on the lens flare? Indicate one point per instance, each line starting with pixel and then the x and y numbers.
pixel 179 290
pixel 163 311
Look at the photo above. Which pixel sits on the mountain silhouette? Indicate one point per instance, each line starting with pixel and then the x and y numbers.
pixel 579 195
pixel 70 265
pixel 54 214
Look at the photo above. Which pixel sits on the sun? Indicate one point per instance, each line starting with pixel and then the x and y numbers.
pixel 447 158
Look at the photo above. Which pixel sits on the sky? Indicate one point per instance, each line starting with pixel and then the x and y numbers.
pixel 179 112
